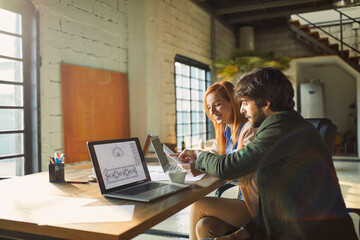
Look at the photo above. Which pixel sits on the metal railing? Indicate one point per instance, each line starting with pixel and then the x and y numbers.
pixel 341 41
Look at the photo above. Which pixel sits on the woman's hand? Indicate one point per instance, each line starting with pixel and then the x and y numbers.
pixel 190 168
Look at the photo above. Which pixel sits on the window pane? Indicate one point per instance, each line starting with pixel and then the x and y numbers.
pixel 186 93
pixel 10 46
pixel 185 82
pixel 11 119
pixel 194 84
pixel 186 129
pixel 186 117
pixel 186 105
pixel 11 70
pixel 178 105
pixel 11 95
pixel 10 22
pixel 185 70
pixel 194 72
pixel 12 167
pixel 11 144
pixel 179 129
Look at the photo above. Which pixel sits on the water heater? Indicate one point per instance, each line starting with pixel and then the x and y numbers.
pixel 312 100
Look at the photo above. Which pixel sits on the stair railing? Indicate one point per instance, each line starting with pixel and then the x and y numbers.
pixel 341 30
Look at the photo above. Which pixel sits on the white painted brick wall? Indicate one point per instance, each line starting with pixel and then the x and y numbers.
pixel 182 28
pixel 350 36
pixel 90 33
pixel 282 42
pixel 94 33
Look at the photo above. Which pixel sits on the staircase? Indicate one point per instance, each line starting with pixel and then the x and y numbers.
pixel 312 38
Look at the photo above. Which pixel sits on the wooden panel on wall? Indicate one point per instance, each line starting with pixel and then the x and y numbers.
pixel 95 106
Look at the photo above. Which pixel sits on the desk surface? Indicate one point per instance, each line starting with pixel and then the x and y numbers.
pixel 36 186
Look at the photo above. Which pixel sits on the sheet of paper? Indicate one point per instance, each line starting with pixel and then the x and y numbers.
pixel 119 213
pixel 157 176
pixel 168 152
pixel 156 168
pixel 31 209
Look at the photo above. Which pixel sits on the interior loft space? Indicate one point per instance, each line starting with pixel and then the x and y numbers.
pixel 330 80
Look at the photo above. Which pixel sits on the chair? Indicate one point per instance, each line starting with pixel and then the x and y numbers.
pixel 328 131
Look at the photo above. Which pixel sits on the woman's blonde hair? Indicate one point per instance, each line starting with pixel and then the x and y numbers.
pixel 226 90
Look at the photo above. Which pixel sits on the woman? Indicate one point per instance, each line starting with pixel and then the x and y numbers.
pixel 212 216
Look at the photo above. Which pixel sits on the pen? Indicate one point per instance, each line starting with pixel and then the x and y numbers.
pixel 51 160
pixel 80 182
pixel 62 158
pixel 57 157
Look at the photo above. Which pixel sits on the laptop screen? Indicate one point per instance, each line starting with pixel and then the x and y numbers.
pixel 118 162
pixel 158 147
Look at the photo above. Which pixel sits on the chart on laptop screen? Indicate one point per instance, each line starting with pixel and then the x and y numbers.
pixel 120 163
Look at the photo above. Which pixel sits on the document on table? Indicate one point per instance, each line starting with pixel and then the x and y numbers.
pixel 118 213
pixel 161 176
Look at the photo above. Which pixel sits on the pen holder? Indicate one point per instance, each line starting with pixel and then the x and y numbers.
pixel 56 172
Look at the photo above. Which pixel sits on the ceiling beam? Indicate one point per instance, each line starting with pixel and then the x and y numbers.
pixel 262 16
pixel 205 6
pixel 257 6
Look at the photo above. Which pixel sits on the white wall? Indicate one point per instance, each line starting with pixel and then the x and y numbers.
pixel 91 33
pixel 341 86
pixel 282 42
pixel 339 90
pixel 158 31
pixel 138 37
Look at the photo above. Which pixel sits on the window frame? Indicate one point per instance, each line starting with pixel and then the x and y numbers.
pixel 31 87
pixel 192 63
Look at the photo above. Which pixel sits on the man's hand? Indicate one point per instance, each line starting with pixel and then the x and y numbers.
pixel 190 168
pixel 189 155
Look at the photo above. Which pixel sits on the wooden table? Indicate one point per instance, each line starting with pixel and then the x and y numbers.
pixel 34 187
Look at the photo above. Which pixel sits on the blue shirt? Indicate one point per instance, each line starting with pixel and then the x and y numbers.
pixel 230 149
pixel 229 144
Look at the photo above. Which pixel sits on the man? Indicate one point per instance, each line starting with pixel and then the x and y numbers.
pixel 299 193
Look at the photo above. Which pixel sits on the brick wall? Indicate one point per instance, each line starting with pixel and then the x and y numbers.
pixel 138 37
pixel 282 42
pixel 170 27
pixel 225 41
pixel 351 35
pixel 89 33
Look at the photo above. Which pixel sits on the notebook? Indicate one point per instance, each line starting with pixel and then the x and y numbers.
pixel 166 165
pixel 122 172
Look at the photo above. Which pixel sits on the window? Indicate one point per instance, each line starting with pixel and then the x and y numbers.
pixel 191 80
pixel 18 89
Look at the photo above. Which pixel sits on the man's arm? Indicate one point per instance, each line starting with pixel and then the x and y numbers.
pixel 267 148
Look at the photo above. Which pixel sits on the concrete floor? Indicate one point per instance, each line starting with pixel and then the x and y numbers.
pixel 348 174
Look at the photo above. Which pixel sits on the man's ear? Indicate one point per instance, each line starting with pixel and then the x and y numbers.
pixel 266 107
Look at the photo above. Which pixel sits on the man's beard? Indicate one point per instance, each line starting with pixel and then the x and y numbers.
pixel 258 118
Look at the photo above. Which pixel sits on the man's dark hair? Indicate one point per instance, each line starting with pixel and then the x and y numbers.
pixel 267 84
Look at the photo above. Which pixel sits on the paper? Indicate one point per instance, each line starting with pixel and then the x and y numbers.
pixel 168 152
pixel 119 213
pixel 157 176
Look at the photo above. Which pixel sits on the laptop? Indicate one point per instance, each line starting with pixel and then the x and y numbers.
pixel 122 173
pixel 147 144
pixel 163 158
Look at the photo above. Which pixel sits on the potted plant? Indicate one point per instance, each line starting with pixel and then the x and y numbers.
pixel 243 61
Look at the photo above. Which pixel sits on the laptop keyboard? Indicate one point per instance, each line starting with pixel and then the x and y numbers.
pixel 142 188
pixel 173 167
